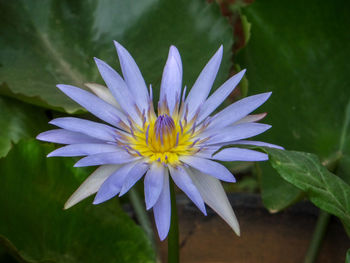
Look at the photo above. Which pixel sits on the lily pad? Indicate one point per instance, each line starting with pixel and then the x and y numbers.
pixel 48 42
pixel 299 50
pixel 35 228
pixel 19 120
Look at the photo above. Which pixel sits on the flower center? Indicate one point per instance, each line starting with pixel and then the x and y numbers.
pixel 164 136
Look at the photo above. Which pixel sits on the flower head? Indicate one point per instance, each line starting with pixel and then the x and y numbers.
pixel 180 138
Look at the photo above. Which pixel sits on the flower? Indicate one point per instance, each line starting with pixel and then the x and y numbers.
pixel 179 139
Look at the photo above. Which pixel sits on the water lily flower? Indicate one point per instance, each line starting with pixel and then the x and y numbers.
pixel 179 139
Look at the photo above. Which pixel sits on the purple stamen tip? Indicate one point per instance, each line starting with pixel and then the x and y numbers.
pixel 177 139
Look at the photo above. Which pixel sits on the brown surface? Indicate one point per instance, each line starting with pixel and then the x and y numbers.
pixel 282 237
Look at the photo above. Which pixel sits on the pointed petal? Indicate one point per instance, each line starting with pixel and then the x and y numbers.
pixel 220 95
pixel 238 132
pixel 83 149
pixel 184 182
pixel 153 184
pixel 172 79
pixel 210 167
pixel 239 154
pixel 90 128
pixel 237 110
pixel 214 196
pixel 93 104
pixel 162 210
pixel 257 143
pixel 63 136
pixel 117 157
pixel 203 84
pixel 112 186
pixel 133 176
pixel 251 118
pixel 133 77
pixel 103 93
pixel 91 184
pixel 118 88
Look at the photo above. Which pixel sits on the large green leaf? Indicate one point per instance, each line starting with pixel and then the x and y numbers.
pixel 305 171
pixel 299 50
pixel 53 41
pixel 18 120
pixel 33 191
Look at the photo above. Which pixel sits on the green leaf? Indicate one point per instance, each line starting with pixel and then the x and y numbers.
pixel 305 171
pixel 277 194
pixel 299 50
pixel 33 219
pixel 48 42
pixel 347 260
pixel 18 121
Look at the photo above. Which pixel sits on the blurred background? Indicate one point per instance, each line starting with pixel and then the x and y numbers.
pixel 299 50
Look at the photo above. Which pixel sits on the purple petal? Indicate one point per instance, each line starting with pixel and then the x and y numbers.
pixel 118 88
pixel 162 210
pixel 172 79
pixel 153 184
pixel 214 196
pixel 237 110
pixel 238 132
pixel 219 95
pixel 90 128
pixel 133 77
pixel 117 157
pixel 66 137
pixel 257 143
pixel 203 84
pixel 209 167
pixel 83 149
pixel 93 104
pixel 112 186
pixel 91 184
pixel 184 182
pixel 133 176
pixel 238 154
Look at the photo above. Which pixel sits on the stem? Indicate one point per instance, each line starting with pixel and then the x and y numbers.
pixel 317 237
pixel 173 237
pixel 141 215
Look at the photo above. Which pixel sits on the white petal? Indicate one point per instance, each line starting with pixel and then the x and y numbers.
pixel 203 84
pixel 103 93
pixel 251 118
pixel 91 184
pixel 214 196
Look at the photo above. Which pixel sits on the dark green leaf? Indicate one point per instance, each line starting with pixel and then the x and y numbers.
pixel 305 171
pixel 276 193
pixel 299 50
pixel 18 121
pixel 347 260
pixel 48 42
pixel 34 190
